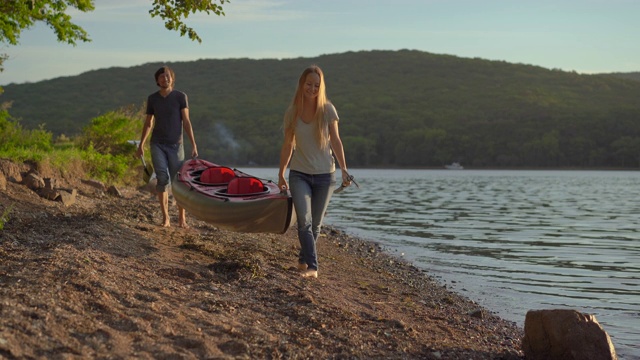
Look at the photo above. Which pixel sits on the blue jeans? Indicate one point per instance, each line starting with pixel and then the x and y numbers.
pixel 311 195
pixel 167 159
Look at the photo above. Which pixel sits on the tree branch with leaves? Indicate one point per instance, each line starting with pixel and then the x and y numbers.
pixel 173 11
pixel 19 15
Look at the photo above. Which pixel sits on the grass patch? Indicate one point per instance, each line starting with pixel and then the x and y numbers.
pixel 5 216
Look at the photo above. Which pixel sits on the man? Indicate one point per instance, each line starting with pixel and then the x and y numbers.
pixel 168 116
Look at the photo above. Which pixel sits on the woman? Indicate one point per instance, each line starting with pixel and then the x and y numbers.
pixel 311 128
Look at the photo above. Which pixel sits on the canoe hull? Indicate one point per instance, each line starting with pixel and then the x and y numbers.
pixel 268 212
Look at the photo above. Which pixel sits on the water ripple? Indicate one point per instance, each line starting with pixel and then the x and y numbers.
pixel 512 240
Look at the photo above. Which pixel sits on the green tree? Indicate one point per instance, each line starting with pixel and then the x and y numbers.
pixel 22 14
pixel 421 147
pixel 551 146
pixel 19 15
pixel 362 150
pixel 174 11
pixel 577 150
pixel 627 150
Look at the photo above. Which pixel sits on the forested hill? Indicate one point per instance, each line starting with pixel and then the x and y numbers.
pixel 397 108
pixel 631 75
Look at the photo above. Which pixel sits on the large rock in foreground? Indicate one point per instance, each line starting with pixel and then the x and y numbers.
pixel 565 335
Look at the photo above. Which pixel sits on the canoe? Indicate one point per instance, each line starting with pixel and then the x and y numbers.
pixel 231 199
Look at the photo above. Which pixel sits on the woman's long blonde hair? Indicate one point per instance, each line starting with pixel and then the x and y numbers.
pixel 294 111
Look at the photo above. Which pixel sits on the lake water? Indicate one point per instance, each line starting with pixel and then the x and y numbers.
pixel 511 240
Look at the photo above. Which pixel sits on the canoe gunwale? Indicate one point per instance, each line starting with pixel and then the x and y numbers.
pixel 223 192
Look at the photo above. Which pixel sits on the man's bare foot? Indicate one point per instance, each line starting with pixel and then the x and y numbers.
pixel 302 267
pixel 310 273
pixel 182 218
pixel 166 223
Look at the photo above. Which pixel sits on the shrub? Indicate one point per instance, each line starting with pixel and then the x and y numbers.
pixel 13 136
pixel 109 133
pixel 102 152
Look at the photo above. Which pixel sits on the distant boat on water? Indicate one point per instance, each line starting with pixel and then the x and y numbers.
pixel 454 166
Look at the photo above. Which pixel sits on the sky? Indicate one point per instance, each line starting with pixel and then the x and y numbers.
pixel 585 36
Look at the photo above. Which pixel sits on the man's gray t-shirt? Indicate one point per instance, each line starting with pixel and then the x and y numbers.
pixel 167 112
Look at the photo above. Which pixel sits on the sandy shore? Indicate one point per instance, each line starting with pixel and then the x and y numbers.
pixel 99 279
